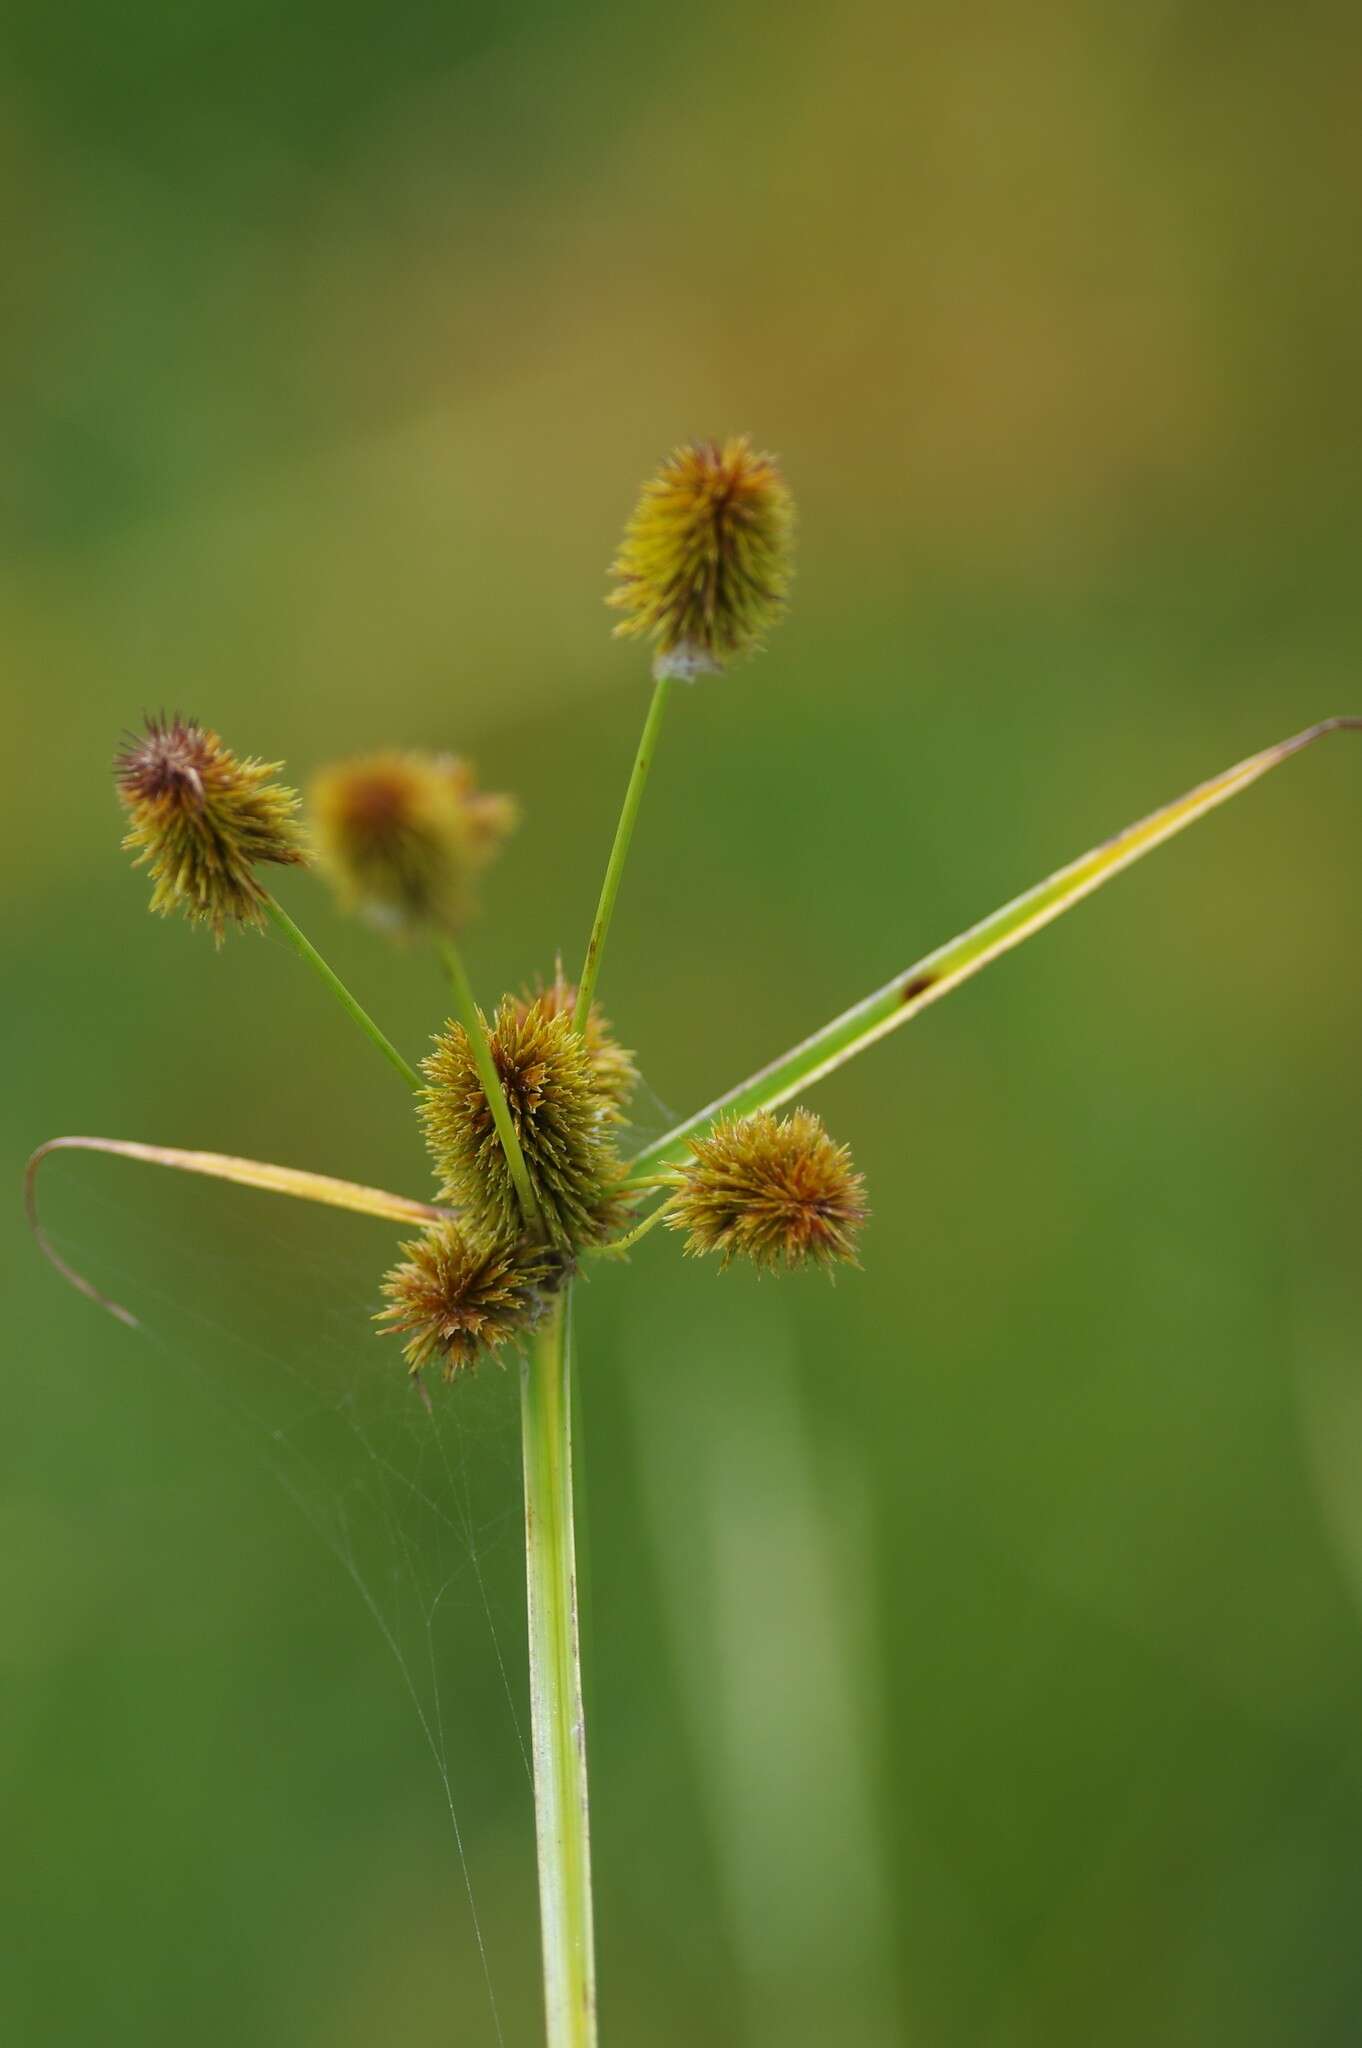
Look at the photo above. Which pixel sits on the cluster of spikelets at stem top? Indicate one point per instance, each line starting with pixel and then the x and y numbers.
pixel 523 1108
pixel 521 1111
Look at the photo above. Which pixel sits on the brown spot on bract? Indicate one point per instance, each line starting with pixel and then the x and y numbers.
pixel 918 986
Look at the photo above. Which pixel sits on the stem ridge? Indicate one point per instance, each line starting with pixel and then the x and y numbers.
pixel 557 1721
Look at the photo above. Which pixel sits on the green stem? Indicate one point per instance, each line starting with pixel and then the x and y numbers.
pixel 624 832
pixel 938 973
pixel 619 1245
pixel 355 1011
pixel 491 1080
pixel 558 1736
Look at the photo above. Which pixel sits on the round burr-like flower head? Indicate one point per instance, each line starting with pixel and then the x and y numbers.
pixel 705 563
pixel 201 819
pixel 562 1118
pixel 776 1190
pixel 453 1297
pixel 404 835
pixel 614 1069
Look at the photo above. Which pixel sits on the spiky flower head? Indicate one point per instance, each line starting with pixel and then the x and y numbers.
pixel 561 1116
pixel 453 1298
pixel 776 1190
pixel 705 563
pixel 614 1069
pixel 403 835
pixel 201 818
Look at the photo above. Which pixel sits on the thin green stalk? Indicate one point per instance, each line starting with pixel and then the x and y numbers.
pixel 624 832
pixel 619 1245
pixel 355 1011
pixel 491 1080
pixel 557 1725
pixel 938 973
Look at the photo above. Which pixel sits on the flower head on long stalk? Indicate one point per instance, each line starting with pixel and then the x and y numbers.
pixel 403 836
pixel 705 563
pixel 201 818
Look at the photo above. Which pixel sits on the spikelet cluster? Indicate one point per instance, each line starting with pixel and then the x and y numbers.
pixel 705 563
pixel 613 1068
pixel 563 1120
pixel 403 836
pixel 453 1297
pixel 201 818
pixel 776 1190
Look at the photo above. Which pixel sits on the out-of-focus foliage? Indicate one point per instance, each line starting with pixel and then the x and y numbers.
pixel 974 1648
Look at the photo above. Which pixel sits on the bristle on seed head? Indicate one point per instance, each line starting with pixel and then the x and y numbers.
pixel 613 1068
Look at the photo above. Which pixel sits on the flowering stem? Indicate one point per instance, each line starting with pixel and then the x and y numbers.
pixel 939 972
pixel 557 1727
pixel 476 1033
pixel 624 832
pixel 304 946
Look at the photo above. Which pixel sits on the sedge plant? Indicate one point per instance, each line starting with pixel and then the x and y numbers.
pixel 523 1105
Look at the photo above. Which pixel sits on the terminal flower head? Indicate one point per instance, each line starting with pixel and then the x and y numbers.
pixel 705 563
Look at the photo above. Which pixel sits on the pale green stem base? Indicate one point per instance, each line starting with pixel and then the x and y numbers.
pixel 491 1081
pixel 302 945
pixel 557 1724
pixel 624 832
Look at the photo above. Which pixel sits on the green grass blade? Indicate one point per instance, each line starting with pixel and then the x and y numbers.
pixel 939 972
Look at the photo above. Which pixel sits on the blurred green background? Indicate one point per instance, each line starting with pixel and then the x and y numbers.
pixel 974 1650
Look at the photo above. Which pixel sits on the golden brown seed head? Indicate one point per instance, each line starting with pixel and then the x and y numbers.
pixel 705 564
pixel 201 819
pixel 614 1069
pixel 453 1298
pixel 403 836
pixel 776 1190
pixel 562 1118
